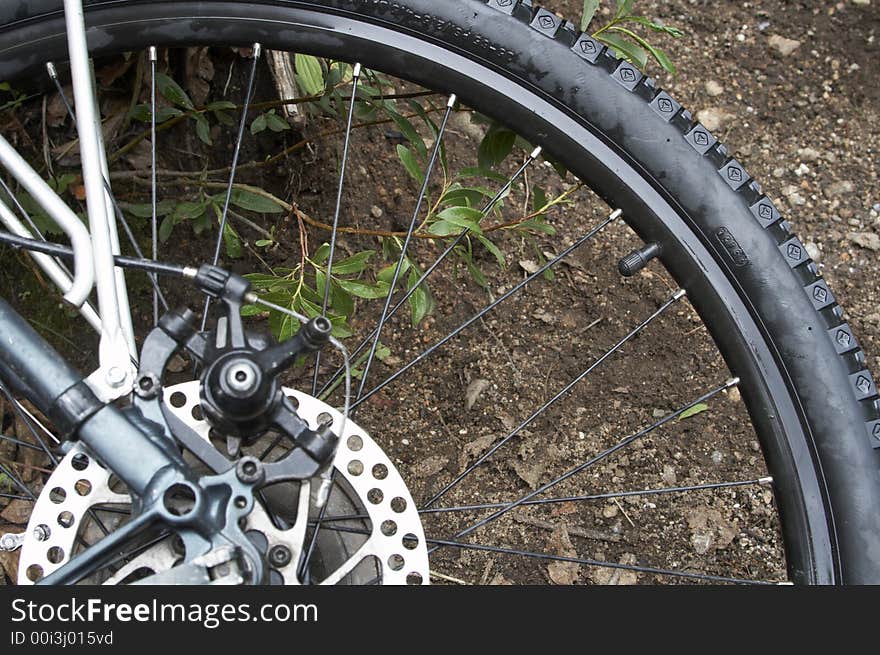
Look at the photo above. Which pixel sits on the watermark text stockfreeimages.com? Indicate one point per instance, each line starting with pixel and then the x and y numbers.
pixel 208 615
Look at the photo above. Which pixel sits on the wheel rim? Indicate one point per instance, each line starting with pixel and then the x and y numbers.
pixel 810 559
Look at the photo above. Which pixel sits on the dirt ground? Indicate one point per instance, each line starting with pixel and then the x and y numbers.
pixel 805 124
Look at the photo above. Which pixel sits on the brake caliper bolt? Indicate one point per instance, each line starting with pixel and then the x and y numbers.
pixel 280 556
pixel 147 386
pixel 249 470
pixel 116 377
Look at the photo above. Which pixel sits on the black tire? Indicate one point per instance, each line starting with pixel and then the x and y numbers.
pixel 813 402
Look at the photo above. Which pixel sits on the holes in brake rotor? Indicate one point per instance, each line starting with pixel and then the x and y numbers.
pixel 80 462
pixel 55 555
pixel 66 519
pixel 178 399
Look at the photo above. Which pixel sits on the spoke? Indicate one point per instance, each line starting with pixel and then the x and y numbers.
pixel 14 497
pixel 18 442
pixel 706 577
pixel 606 496
pixel 24 419
pixel 576 499
pixel 120 217
pixel 443 256
pixel 669 303
pixel 154 218
pixel 594 460
pixel 30 223
pixel 18 483
pixel 565 253
pixel 356 75
pixel 28 419
pixel 438 146
pixel 101 553
pixel 224 217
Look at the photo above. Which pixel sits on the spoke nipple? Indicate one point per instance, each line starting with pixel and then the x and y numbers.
pixel 356 73
pixel 50 68
pixel 768 481
pixel 251 298
pixel 732 383
pixel 153 53
pixel 258 49
pixel 681 293
pixel 536 153
pixel 452 100
pixel 617 213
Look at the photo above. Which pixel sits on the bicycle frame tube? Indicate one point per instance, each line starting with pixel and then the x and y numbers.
pixel 115 344
pixel 57 274
pixel 95 247
pixel 84 272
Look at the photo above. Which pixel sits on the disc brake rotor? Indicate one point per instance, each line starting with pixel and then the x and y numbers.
pixel 384 535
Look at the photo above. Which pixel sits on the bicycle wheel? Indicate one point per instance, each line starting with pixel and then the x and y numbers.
pixel 799 369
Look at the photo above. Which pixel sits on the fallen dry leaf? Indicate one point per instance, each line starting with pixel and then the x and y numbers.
pixel 474 389
pixel 562 573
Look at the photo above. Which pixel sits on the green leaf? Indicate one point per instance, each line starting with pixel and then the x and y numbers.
pixel 420 303
pixel 220 104
pixel 172 92
pixel 321 254
pixel 341 301
pixel 142 113
pixel 699 408
pixel 539 199
pixel 409 132
pixel 624 7
pixel 185 211
pixel 203 129
pixel 410 164
pixel 632 52
pixel 145 210
pixel 233 242
pixel 495 250
pixel 538 226
pixel 263 243
pixel 387 273
pixel 590 8
pixel 495 147
pixel 674 32
pixel 459 196
pixel 463 217
pixel 362 290
pixel 255 202
pixel 165 228
pixel 355 264
pixel 275 122
pixel 661 57
pixel 310 75
pixel 259 125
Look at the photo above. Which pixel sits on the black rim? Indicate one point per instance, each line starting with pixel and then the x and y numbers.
pixel 808 538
